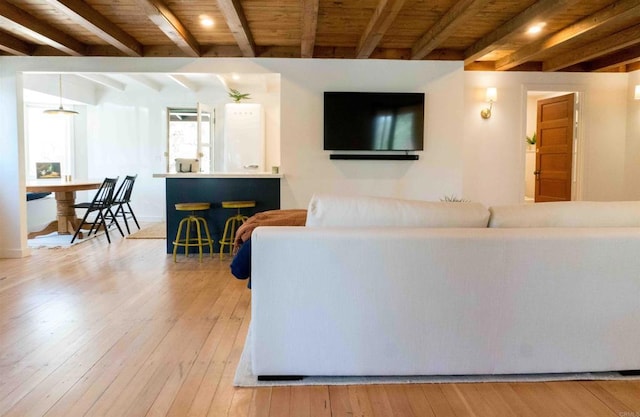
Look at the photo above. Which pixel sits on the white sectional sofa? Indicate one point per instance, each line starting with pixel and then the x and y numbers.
pixel 385 287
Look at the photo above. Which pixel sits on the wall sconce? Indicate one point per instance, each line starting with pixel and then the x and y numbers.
pixel 637 95
pixel 491 97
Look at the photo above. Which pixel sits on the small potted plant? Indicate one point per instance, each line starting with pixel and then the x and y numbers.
pixel 531 141
pixel 237 96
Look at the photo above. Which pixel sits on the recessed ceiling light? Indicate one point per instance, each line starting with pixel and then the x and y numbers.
pixel 235 77
pixel 206 21
pixel 535 29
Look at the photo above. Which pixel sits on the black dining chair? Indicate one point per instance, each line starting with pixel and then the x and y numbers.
pixel 122 200
pixel 101 205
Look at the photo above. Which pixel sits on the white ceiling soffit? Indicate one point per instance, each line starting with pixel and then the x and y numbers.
pixel 120 82
pixel 75 90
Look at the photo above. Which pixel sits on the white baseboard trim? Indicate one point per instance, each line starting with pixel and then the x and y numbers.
pixel 14 253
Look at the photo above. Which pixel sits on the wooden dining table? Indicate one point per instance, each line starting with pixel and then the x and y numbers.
pixel 66 221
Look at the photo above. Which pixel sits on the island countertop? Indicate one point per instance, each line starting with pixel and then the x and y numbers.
pixel 218 175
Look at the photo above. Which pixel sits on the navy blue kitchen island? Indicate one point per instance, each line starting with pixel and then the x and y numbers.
pixel 264 189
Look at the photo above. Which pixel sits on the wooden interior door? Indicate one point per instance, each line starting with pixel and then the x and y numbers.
pixel 554 148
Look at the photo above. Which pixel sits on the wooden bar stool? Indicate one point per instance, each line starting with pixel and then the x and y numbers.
pixel 232 223
pixel 197 221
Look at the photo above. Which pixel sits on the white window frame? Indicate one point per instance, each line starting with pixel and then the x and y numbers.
pixel 204 145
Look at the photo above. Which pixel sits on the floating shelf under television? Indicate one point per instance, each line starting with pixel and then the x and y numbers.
pixel 370 157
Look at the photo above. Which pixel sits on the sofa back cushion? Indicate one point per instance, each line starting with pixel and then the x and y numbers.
pixel 567 214
pixel 326 210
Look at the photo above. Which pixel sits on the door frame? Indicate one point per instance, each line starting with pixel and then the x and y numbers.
pixel 579 140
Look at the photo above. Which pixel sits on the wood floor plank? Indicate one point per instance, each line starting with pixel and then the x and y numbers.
pixel 102 389
pixel 399 402
pixel 60 345
pixel 174 350
pixel 300 402
pixel 112 386
pixel 514 401
pixel 379 401
pixel 236 332
pixel 168 379
pixel 320 400
pixel 625 392
pixel 360 401
pixel 540 400
pixel 122 330
pixel 241 402
pixel 459 402
pixel 227 332
pixel 340 401
pixel 80 398
pixel 418 401
pixel 601 390
pixel 485 401
pixel 579 399
pixel 185 396
pixel 280 402
pixel 45 393
pixel 437 400
pixel 49 358
pixel 191 365
pixel 260 402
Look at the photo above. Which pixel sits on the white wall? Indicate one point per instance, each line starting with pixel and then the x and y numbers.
pixel 530 155
pixel 494 148
pixel 13 222
pixel 632 151
pixel 605 136
pixel 482 160
pixel 307 166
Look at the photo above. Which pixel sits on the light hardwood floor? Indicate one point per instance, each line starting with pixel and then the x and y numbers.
pixel 120 330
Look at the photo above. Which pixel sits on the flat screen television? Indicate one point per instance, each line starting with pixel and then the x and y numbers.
pixel 357 121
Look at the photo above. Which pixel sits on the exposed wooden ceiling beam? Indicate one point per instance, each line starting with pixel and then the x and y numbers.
pixel 613 43
pixel 40 31
pixel 384 15
pixel 309 26
pixel 87 17
pixel 446 26
pixel 168 23
pixel 537 11
pixel 237 23
pixel 620 58
pixel 610 14
pixel 14 46
pixel 633 66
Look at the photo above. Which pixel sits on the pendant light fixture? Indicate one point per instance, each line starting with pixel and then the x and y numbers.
pixel 60 110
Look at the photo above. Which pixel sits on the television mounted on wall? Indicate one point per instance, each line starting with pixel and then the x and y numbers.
pixel 363 121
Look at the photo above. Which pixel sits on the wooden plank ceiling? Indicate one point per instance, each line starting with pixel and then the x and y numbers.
pixel 575 35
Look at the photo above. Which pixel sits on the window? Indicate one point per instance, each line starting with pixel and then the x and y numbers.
pixel 190 139
pixel 49 139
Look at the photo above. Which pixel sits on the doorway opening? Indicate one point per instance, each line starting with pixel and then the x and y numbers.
pixel 552 146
